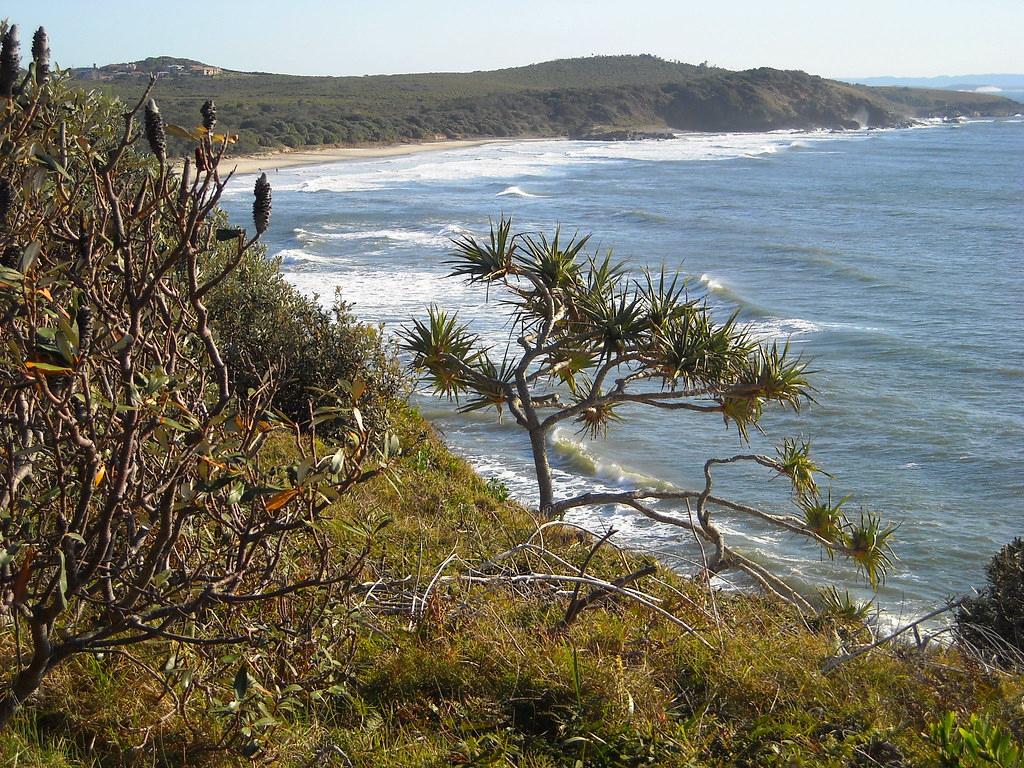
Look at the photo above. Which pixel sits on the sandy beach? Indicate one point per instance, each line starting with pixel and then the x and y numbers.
pixel 272 161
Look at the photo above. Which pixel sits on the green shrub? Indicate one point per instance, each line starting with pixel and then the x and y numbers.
pixel 147 506
pixel 992 622
pixel 975 744
pixel 263 322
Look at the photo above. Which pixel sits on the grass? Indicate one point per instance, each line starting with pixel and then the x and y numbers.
pixel 489 677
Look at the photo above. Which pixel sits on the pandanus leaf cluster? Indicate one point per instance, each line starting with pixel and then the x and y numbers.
pixel 581 319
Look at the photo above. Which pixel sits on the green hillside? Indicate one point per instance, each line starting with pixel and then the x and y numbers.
pixel 558 98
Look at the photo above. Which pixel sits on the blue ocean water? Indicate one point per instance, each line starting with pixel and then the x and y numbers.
pixel 891 258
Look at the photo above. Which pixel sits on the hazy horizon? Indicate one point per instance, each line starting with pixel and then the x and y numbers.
pixel 871 39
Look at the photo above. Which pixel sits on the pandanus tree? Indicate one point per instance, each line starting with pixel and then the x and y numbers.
pixel 136 503
pixel 590 340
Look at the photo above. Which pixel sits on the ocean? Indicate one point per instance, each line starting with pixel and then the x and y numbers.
pixel 891 259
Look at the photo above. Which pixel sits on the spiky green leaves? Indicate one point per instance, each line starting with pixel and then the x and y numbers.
pixel 443 348
pixel 261 204
pixel 549 265
pixel 156 136
pixel 41 55
pixel 841 607
pixel 209 113
pixel 795 462
pixel 485 262
pixel 694 351
pixel 489 383
pixel 825 519
pixel 594 421
pixel 867 542
pixel 769 374
pixel 10 61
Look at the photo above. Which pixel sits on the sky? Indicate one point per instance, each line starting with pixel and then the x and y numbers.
pixel 833 38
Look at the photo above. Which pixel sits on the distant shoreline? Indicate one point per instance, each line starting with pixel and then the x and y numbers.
pixel 274 161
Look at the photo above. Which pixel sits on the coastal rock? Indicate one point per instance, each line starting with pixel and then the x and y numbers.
pixel 624 135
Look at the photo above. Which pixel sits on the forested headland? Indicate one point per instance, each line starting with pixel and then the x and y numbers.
pixel 569 97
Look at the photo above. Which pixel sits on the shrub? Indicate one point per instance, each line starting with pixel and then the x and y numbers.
pixel 992 622
pixel 139 499
pixel 263 322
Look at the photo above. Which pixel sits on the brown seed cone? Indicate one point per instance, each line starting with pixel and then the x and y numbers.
pixel 200 161
pixel 209 113
pixel 41 55
pixel 6 200
pixel 155 131
pixel 83 318
pixel 261 205
pixel 10 61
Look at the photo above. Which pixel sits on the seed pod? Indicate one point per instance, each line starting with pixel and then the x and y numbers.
pixel 10 61
pixel 84 321
pixel 200 161
pixel 41 55
pixel 261 205
pixel 6 200
pixel 155 131
pixel 209 113
pixel 186 179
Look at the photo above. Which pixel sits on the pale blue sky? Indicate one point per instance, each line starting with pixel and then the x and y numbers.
pixel 827 37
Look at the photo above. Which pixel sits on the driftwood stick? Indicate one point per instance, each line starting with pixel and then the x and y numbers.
pixel 838 661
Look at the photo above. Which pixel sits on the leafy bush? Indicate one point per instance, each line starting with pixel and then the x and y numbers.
pixel 992 622
pixel 975 744
pixel 144 499
pixel 263 322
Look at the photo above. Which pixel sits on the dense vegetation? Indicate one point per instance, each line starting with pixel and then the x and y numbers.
pixel 450 626
pixel 557 98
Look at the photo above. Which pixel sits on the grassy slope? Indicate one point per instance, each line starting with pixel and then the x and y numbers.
pixel 486 677
pixel 563 97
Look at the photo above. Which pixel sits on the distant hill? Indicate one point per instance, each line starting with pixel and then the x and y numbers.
pixel 567 97
pixel 949 82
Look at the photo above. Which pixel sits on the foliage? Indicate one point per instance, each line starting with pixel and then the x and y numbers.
pixel 557 98
pixel 486 675
pixel 992 622
pixel 589 340
pixel 139 503
pixel 976 744
pixel 262 323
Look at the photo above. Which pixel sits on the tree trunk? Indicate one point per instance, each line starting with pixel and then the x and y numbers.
pixel 26 681
pixel 539 446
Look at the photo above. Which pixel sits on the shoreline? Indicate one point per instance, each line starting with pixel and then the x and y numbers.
pixel 273 161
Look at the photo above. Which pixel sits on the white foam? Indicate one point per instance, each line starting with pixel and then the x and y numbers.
pixel 529 159
pixel 711 283
pixel 400 236
pixel 515 192
pixel 296 257
pixel 781 328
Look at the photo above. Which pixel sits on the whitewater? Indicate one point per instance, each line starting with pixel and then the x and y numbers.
pixel 891 259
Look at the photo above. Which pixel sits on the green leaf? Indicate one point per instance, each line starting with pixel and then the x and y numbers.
pixel 29 255
pixel 241 683
pixel 50 162
pixel 182 133
pixel 62 580
pixel 338 461
pixel 46 368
